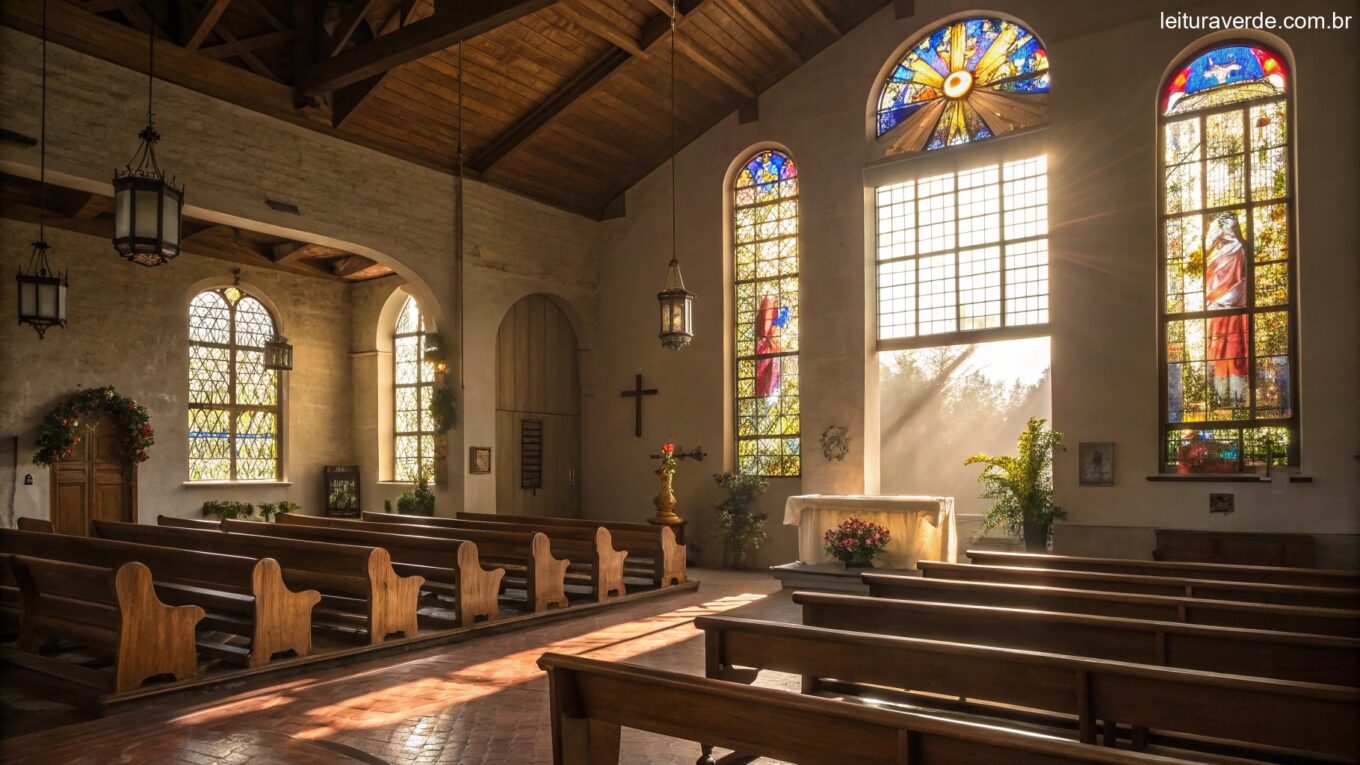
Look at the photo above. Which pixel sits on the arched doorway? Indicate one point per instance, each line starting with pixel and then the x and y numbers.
pixel 538 412
pixel 93 483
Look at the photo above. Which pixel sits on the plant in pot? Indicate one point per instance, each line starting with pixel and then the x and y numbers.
pixel 269 510
pixel 342 501
pixel 417 501
pixel 856 543
pixel 740 529
pixel 225 509
pixel 1022 486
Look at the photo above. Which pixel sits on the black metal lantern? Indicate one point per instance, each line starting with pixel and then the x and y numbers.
pixel 42 291
pixel 278 354
pixel 677 310
pixel 147 207
pixel 435 352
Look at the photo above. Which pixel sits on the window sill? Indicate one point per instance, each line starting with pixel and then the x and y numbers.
pixel 1223 478
pixel 396 483
pixel 220 484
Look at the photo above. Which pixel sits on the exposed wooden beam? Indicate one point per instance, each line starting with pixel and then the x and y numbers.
pixel 714 66
pixel 346 100
pixel 139 17
pixel 665 7
pixel 449 26
pixel 350 265
pixel 600 27
pixel 203 24
pixel 288 252
pixel 345 27
pixel 263 12
pixel 583 82
pixel 818 13
pixel 235 47
pixel 764 31
pixel 239 49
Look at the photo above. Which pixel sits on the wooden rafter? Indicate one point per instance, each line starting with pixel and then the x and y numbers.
pixel 203 24
pixel 344 28
pixel 232 46
pixel 714 66
pixel 763 29
pixel 346 100
pixel 818 14
pixel 139 17
pixel 242 51
pixel 601 27
pixel 449 26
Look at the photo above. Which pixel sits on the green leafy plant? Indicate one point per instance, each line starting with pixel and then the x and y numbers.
pixel 268 510
pixel 1022 485
pixel 225 509
pixel 444 410
pixel 417 501
pixel 387 506
pixel 342 501
pixel 740 529
pixel 856 542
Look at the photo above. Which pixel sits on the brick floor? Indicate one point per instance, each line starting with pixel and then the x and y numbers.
pixel 482 701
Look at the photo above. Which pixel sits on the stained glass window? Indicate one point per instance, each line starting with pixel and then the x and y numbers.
pixel 234 402
pixel 965 81
pixel 765 237
pixel 1228 314
pixel 413 380
pixel 963 252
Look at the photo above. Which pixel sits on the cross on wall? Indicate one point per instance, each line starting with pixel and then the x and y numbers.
pixel 636 394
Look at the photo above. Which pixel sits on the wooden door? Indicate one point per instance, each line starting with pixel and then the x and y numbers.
pixel 94 483
pixel 538 412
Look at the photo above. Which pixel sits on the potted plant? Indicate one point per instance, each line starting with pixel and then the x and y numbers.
pixel 225 509
pixel 1022 486
pixel 268 510
pixel 342 501
pixel 417 501
pixel 740 529
pixel 856 543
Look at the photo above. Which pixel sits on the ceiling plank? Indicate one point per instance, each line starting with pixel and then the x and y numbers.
pixel 715 67
pixel 346 100
pixel 442 30
pixel 665 7
pixel 818 13
pixel 766 32
pixel 600 27
pixel 201 26
pixel 350 265
pixel 235 46
pixel 344 29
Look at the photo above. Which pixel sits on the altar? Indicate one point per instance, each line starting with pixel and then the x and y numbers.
pixel 920 528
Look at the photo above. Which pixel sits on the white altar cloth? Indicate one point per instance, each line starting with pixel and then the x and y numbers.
pixel 920 528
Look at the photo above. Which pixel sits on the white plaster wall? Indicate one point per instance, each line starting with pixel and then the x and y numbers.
pixel 1108 61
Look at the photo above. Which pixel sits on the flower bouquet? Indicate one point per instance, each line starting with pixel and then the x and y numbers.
pixel 856 543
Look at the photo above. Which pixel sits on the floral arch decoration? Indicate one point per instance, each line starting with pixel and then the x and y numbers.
pixel 59 430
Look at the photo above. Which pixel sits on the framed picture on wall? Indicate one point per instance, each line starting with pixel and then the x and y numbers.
pixel 479 459
pixel 1096 463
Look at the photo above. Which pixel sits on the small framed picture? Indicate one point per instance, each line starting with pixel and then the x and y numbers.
pixel 1097 463
pixel 479 459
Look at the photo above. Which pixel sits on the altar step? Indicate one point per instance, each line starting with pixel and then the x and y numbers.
pixel 830 577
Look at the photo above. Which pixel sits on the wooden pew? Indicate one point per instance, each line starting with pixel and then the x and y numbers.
pixel 589 551
pixel 526 559
pixel 592 700
pixel 1231 650
pixel 1275 717
pixel 1212 589
pixel 642 541
pixel 347 576
pixel 114 610
pixel 24 523
pixel 1301 577
pixel 241 595
pixel 1221 613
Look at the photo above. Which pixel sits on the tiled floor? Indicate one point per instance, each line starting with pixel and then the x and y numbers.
pixel 483 701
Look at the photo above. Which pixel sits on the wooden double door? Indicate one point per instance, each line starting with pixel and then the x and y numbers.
pixel 95 483
pixel 538 412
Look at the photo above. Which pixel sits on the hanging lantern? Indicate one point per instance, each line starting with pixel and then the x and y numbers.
pixel 435 352
pixel 42 293
pixel 147 207
pixel 278 354
pixel 677 310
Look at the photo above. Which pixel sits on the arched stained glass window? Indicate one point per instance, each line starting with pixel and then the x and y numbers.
pixel 413 385
pixel 765 237
pixel 1230 379
pixel 234 402
pixel 965 81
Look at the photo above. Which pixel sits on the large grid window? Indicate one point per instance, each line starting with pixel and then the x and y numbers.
pixel 963 252
pixel 1229 353
pixel 765 233
pixel 413 385
pixel 234 402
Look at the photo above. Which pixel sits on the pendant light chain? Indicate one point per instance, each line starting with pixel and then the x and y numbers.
pixel 674 250
pixel 42 133
pixel 462 287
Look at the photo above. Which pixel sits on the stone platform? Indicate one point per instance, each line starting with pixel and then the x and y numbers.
pixel 832 577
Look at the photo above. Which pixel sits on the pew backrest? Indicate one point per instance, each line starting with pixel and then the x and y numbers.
pixel 1212 589
pixel 1222 613
pixel 1230 650
pixel 24 523
pixel 590 700
pixel 1306 577
pixel 1304 717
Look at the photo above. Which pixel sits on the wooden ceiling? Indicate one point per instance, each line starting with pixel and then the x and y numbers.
pixel 565 101
pixel 86 213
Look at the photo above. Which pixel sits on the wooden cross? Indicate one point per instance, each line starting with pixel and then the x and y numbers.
pixel 636 394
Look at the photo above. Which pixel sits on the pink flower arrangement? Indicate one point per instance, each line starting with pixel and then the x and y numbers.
pixel 856 542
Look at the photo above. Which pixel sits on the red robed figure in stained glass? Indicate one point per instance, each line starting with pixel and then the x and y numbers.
pixel 769 321
pixel 1225 287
